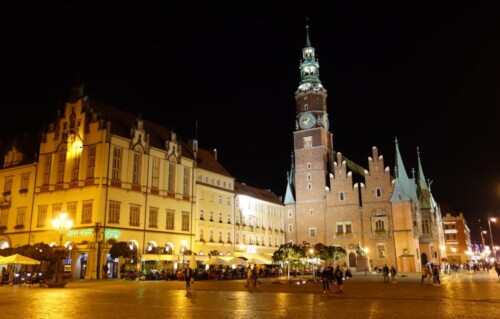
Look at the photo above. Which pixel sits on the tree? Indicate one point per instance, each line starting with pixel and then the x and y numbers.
pixel 122 249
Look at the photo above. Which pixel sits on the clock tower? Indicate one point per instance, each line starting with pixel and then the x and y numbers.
pixel 313 154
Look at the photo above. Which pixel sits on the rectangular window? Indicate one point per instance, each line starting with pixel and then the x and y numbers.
pixel 117 163
pixel 114 212
pixel 381 251
pixel 136 174
pixel 25 180
pixel 312 232
pixel 340 229
pixel 61 164
pixel 308 143
pixel 153 217
pixel 171 176
pixel 135 215
pixel 220 217
pixel 46 169
pixel 42 216
pixel 348 228
pixel 56 210
pixel 21 215
pixel 220 235
pixel 76 167
pixel 211 236
pixel 229 201
pixel 155 177
pixel 202 234
pixel 7 188
pixel 236 238
pixel 228 237
pixel 91 161
pixel 229 218
pixel 4 214
pixel 425 226
pixel 72 210
pixel 185 221
pixel 87 212
pixel 185 188
pixel 170 219
pixel 202 215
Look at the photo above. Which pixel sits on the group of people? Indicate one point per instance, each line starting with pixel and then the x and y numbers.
pixel 431 271
pixel 330 276
pixel 392 271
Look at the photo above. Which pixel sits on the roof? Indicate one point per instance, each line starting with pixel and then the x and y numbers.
pixel 262 194
pixel 206 160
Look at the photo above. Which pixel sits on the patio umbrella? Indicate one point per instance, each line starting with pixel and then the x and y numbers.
pixel 18 260
pixel 215 261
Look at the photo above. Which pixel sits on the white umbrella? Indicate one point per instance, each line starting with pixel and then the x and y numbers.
pixel 18 260
pixel 237 261
pixel 215 261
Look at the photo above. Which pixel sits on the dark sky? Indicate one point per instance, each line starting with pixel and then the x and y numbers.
pixel 427 73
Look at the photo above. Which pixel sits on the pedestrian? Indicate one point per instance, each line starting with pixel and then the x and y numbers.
pixel 348 273
pixel 250 281
pixel 339 277
pixel 385 272
pixel 187 277
pixel 394 274
pixel 425 272
pixel 325 280
pixel 435 275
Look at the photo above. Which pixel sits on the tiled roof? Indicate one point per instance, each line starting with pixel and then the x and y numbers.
pixel 265 195
pixel 207 161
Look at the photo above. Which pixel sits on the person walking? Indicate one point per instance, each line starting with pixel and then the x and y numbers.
pixel 187 277
pixel 325 280
pixel 385 272
pixel 425 273
pixel 394 274
pixel 339 277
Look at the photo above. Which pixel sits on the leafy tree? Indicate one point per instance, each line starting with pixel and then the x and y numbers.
pixel 122 249
pixel 289 252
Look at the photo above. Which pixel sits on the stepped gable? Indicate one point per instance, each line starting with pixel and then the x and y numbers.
pixel 121 122
pixel 262 194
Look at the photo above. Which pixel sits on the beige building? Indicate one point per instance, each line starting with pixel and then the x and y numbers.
pixel 331 200
pixel 120 179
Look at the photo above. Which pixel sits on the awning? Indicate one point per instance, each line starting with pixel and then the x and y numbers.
pixel 257 259
pixel 157 257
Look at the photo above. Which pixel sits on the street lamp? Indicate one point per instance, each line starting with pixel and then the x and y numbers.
pixel 492 219
pixel 62 224
pixel 311 252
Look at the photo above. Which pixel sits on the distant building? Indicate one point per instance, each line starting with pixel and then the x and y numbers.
pixel 331 200
pixel 457 237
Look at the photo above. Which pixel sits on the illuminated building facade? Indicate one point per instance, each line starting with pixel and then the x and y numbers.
pixel 331 200
pixel 120 179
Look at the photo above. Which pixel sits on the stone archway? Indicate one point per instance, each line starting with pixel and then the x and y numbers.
pixel 352 259
pixel 424 258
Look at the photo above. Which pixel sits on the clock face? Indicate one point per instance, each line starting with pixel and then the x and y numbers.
pixel 307 120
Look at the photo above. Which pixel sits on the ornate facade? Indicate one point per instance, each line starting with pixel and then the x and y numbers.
pixel 375 214
pixel 122 178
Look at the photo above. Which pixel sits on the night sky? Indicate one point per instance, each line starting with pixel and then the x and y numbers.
pixel 426 73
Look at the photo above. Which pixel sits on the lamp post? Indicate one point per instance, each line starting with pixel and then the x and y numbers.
pixel 492 219
pixel 62 224
pixel 311 254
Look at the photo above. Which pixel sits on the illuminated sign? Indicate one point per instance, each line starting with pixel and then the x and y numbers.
pixel 108 233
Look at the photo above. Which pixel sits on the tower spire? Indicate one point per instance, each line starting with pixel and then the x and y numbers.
pixel 309 67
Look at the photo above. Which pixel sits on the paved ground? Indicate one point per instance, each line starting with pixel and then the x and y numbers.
pixel 463 296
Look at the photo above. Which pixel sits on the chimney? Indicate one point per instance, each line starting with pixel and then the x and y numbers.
pixel 215 154
pixel 193 144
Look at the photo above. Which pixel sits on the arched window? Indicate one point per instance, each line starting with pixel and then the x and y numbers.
pixel 378 192
pixel 341 196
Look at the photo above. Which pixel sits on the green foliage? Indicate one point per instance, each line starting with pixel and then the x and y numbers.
pixel 289 252
pixel 122 249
